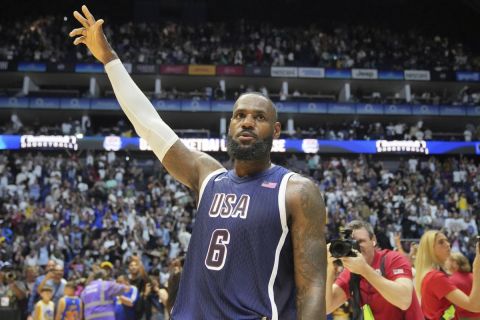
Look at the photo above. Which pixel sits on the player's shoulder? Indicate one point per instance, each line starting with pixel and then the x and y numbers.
pixel 301 187
pixel 298 182
pixel 303 194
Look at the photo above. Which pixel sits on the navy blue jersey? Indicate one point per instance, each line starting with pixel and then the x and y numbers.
pixel 239 263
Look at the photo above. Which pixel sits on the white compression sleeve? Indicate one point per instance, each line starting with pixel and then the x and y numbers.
pixel 139 110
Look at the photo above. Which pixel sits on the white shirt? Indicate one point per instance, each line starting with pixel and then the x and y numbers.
pixel 31 261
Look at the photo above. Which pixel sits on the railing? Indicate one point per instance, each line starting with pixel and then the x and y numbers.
pixel 291 107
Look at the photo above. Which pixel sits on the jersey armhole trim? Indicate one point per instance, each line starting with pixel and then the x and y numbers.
pixel 205 181
pixel 282 199
pixel 283 218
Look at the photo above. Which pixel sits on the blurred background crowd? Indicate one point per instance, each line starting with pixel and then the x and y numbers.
pixel 82 209
pixel 66 214
pixel 244 42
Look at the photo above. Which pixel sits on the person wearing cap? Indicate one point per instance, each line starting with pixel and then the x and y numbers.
pixel 99 295
pixel 108 267
pixel 35 296
pixel 55 280
pixel 45 307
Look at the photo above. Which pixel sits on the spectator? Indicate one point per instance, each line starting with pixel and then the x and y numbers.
pixel 125 303
pixel 439 295
pixel 12 291
pixel 35 295
pixel 44 309
pixel 138 278
pixel 54 280
pixel 155 300
pixel 461 276
pixel 69 306
pixel 16 122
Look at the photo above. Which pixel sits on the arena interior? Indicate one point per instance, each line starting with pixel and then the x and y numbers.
pixel 379 103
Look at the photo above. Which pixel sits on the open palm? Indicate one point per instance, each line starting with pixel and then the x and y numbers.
pixel 91 35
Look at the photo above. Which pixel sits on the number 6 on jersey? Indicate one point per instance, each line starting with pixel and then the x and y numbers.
pixel 217 250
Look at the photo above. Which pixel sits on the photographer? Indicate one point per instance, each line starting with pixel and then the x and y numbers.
pixel 12 292
pixel 155 299
pixel 379 282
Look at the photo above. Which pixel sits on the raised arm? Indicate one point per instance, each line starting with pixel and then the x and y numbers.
pixel 47 277
pixel 472 301
pixel 307 213
pixel 187 166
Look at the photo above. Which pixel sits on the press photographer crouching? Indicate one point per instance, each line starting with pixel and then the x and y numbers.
pixel 377 282
pixel 12 293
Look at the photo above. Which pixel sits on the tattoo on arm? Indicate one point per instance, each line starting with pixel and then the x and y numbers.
pixel 308 222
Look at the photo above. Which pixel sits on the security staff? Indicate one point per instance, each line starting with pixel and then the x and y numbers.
pixel 98 297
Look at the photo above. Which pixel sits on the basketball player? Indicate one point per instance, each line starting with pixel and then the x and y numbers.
pixel 258 244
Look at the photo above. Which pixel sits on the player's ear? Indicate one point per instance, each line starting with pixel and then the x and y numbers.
pixel 277 130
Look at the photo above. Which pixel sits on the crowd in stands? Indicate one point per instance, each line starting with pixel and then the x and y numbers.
pixel 242 43
pixel 346 130
pixel 81 209
pixel 356 130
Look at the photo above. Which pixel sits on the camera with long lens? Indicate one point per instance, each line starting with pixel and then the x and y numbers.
pixel 344 246
pixel 11 276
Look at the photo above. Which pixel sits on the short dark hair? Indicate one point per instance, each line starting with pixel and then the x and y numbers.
pixel 124 275
pixel 71 285
pixel 100 274
pixel 360 224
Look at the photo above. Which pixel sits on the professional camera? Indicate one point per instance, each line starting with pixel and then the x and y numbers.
pixel 10 275
pixel 344 246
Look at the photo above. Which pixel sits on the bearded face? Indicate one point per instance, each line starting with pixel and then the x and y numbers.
pixel 255 150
